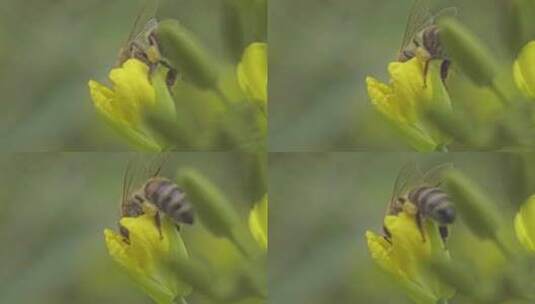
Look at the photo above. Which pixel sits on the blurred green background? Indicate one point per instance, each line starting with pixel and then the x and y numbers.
pixel 55 207
pixel 321 205
pixel 50 49
pixel 320 54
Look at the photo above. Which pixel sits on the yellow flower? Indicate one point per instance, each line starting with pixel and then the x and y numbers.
pixel 404 100
pixel 524 70
pixel 143 255
pixel 253 72
pixel 258 222
pixel 405 254
pixel 525 224
pixel 122 106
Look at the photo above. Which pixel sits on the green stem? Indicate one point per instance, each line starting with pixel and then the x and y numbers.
pixel 442 301
pixel 501 245
pixel 219 92
pixel 180 301
pixel 498 92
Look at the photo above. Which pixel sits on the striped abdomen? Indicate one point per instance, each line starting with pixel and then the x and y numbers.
pixel 433 203
pixel 169 199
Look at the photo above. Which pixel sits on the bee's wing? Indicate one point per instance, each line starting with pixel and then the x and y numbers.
pixel 155 164
pixel 141 37
pixel 434 175
pixel 408 176
pixel 419 18
pixel 445 12
pixel 130 181
pixel 138 170
pixel 143 18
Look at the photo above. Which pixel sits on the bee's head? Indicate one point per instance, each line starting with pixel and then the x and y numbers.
pixel 444 214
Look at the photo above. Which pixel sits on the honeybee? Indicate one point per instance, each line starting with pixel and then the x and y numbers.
pixel 422 37
pixel 155 195
pixel 142 42
pixel 420 194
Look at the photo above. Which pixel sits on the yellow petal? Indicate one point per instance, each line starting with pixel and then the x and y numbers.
pixel 407 85
pixel 525 224
pixel 104 101
pixel 382 98
pixel 409 247
pixel 119 251
pixel 122 105
pixel 404 101
pixel 405 253
pixel 412 92
pixel 524 70
pixel 116 246
pixel 380 250
pixel 252 71
pixel 133 89
pixel 258 222
pixel 144 254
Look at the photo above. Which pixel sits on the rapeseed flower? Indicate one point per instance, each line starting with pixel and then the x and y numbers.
pixel 404 100
pixel 144 254
pixel 405 254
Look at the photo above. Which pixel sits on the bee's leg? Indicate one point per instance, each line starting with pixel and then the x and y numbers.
pixel 444 68
pixel 166 64
pixel 137 52
pixel 125 233
pixel 158 223
pixel 419 223
pixel 426 70
pixel 170 78
pixel 153 39
pixel 387 235
pixel 443 233
pixel 171 74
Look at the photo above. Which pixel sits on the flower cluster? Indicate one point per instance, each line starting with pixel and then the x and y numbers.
pixel 495 110
pixel 123 104
pixel 403 101
pixel 419 261
pixel 404 253
pixel 142 253
pixel 209 104
pixel 156 258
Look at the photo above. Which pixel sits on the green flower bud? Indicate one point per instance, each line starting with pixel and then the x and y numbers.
pixel 161 118
pixel 215 211
pixel 466 50
pixel 184 52
pixel 476 208
pixel 165 105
